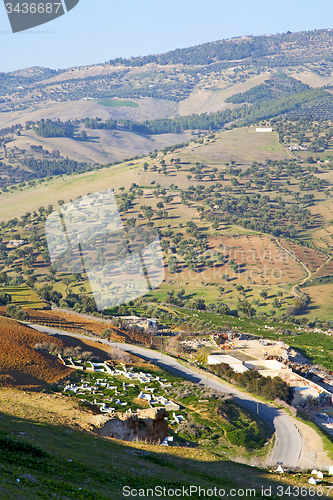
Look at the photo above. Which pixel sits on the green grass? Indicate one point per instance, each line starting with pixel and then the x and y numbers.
pixel 116 104
pixel 50 461
pixel 237 432
pixel 67 464
pixel 210 293
pixel 317 347
pixel 320 280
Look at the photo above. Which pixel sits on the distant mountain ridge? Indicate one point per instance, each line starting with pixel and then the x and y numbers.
pixel 303 44
pixel 240 48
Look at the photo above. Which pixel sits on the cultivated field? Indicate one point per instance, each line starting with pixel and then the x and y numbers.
pixel 210 96
pixel 66 188
pixel 25 297
pixel 242 145
pixel 20 363
pixel 76 324
pixel 148 108
pixel 321 301
pixel 225 160
pixel 101 146
pixel 313 259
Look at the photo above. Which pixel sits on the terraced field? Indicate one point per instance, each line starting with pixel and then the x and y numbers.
pixel 76 324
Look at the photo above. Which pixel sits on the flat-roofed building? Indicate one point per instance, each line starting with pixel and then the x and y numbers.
pixel 234 363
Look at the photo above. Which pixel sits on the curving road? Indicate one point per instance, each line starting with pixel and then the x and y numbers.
pixel 288 442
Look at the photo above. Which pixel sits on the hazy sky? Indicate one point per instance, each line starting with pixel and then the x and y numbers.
pixel 96 31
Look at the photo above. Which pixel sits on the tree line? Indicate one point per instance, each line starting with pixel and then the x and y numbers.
pixel 267 387
pixel 274 88
pixel 52 129
pixel 246 115
pixel 97 123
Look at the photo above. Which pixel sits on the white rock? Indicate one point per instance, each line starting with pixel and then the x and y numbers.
pixel 312 480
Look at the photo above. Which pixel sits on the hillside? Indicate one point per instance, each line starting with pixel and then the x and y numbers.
pixel 43 453
pixel 236 210
pixel 281 49
pixel 169 88
pixel 20 363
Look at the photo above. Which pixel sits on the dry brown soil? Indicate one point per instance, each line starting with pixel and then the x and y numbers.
pixel 20 363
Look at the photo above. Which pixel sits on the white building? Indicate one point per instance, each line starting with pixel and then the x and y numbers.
pixel 16 243
pixel 235 364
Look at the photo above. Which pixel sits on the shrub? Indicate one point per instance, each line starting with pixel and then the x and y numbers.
pixel 107 333
pixel 11 445
pixel 16 312
pixel 5 299
pixel 119 355
pixel 192 430
pixel 48 347
pixel 73 352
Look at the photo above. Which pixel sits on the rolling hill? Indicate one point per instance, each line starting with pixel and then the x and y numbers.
pixel 197 80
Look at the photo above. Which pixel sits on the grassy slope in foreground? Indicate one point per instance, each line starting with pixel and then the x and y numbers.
pixel 78 465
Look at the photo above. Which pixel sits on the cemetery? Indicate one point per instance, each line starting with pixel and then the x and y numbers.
pixel 122 389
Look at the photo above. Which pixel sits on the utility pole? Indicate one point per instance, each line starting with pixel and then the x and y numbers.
pixel 257 396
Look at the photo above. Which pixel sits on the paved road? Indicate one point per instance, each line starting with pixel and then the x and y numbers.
pixel 288 442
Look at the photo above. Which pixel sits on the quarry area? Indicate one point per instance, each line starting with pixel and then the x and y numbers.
pixel 312 385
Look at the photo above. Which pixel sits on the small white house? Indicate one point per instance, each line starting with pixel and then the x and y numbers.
pixel 264 129
pixel 16 243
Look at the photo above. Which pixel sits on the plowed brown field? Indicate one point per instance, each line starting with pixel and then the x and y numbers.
pixel 20 364
pixel 77 324
pixel 326 270
pixel 261 259
pixel 311 258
